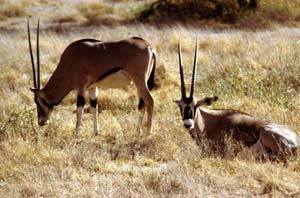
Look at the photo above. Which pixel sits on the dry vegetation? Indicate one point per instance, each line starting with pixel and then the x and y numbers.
pixel 250 14
pixel 11 9
pixel 257 72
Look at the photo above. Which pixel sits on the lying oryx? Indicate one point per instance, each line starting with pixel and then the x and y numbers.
pixel 215 125
pixel 88 62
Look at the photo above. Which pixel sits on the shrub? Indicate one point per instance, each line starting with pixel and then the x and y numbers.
pixel 225 10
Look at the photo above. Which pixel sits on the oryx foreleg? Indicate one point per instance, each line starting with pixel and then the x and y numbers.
pixel 94 107
pixel 257 149
pixel 80 104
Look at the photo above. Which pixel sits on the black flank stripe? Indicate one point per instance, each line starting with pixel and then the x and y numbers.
pixel 109 72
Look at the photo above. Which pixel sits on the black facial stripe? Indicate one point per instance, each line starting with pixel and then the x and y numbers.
pixel 80 101
pixel 40 109
pixel 93 102
pixel 188 113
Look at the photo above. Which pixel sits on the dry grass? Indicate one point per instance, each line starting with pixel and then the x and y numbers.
pixel 92 12
pixel 281 10
pixel 271 13
pixel 12 8
pixel 257 72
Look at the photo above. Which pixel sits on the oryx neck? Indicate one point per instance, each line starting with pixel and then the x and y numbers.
pixel 56 89
pixel 199 121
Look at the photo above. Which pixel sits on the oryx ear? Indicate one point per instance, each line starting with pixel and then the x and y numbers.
pixel 207 101
pixel 176 101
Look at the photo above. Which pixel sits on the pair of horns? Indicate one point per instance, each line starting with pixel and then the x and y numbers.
pixel 183 91
pixel 36 78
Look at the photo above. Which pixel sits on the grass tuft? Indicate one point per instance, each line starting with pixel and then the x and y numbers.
pixel 10 9
pixel 94 12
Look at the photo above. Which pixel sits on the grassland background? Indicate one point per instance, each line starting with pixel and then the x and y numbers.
pixel 253 71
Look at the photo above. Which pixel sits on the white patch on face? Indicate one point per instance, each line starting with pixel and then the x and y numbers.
pixel 189 123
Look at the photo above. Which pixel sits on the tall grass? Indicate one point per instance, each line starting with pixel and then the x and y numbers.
pixel 94 12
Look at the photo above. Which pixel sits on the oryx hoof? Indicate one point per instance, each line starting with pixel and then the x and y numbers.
pixel 77 132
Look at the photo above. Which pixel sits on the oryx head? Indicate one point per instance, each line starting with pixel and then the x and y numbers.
pixel 188 105
pixel 43 108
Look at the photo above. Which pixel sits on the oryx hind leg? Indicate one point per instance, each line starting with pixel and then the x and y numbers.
pixel 276 145
pixel 94 107
pixel 141 108
pixel 79 111
pixel 146 103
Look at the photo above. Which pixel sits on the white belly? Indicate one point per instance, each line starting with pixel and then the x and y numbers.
pixel 117 80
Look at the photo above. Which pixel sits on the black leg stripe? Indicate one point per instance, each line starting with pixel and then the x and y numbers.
pixel 93 102
pixel 141 104
pixel 80 101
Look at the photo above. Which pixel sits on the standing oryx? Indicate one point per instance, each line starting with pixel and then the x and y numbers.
pixel 87 63
pixel 215 125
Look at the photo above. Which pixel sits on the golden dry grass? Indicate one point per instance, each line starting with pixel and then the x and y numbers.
pixel 12 8
pixel 257 72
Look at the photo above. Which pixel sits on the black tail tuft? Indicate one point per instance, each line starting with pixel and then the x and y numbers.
pixel 151 82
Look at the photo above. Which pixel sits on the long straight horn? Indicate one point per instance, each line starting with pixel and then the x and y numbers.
pixel 38 54
pixel 31 55
pixel 183 94
pixel 194 70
